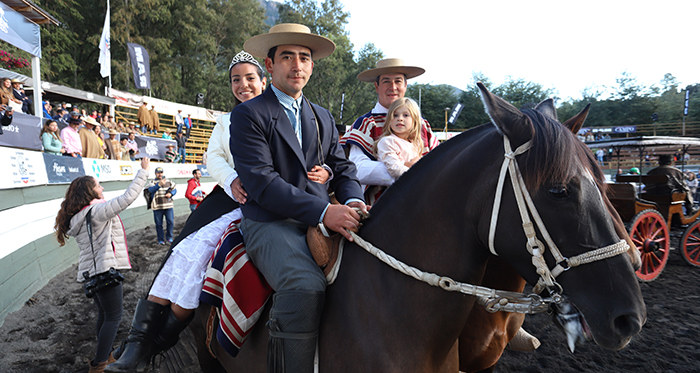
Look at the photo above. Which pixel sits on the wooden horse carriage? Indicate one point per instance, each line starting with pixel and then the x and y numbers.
pixel 654 220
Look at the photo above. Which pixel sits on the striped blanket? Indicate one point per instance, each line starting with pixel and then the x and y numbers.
pixel 233 284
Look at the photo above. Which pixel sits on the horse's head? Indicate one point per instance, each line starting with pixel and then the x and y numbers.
pixel 567 189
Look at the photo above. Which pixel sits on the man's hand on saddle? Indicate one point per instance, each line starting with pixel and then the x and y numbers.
pixel 341 217
pixel 238 191
pixel 318 174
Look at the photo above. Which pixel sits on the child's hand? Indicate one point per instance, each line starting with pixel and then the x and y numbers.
pixel 318 174
pixel 412 161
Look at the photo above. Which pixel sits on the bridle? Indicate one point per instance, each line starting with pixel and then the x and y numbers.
pixel 499 300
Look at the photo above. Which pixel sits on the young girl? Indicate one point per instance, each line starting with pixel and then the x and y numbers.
pixel 400 146
pixel 104 248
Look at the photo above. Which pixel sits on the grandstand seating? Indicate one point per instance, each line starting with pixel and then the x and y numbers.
pixel 199 134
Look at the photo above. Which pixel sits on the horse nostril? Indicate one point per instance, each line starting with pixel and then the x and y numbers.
pixel 627 325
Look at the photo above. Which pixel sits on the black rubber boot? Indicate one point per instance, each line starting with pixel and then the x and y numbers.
pixel 294 321
pixel 169 332
pixel 137 349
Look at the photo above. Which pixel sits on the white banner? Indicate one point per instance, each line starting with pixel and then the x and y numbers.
pixel 21 168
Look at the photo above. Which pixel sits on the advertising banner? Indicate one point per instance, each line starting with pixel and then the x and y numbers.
pixel 153 148
pixel 23 132
pixel 109 170
pixel 21 168
pixel 62 170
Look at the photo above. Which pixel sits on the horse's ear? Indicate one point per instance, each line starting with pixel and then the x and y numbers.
pixel 507 118
pixel 547 109
pixel 575 123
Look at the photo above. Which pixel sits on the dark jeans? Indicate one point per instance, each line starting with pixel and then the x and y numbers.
pixel 181 151
pixel 109 314
pixel 158 218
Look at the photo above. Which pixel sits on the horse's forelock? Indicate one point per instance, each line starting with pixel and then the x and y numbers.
pixel 556 155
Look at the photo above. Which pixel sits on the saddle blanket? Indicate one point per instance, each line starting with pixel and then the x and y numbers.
pixel 233 284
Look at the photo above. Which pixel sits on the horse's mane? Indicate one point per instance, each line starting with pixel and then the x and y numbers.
pixel 556 155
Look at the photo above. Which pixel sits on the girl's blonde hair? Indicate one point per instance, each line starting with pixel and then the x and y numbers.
pixel 414 133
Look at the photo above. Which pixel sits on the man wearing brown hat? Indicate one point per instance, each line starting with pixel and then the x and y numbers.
pixel 390 81
pixel 89 140
pixel 155 121
pixel 276 139
pixel 144 117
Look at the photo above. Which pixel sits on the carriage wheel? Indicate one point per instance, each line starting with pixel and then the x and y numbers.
pixel 690 244
pixel 649 233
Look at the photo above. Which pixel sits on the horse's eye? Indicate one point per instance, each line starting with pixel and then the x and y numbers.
pixel 559 191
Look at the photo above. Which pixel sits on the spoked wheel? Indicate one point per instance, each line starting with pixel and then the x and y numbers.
pixel 649 233
pixel 690 244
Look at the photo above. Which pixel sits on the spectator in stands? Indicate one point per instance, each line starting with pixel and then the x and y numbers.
pixel 166 135
pixel 132 146
pixel 181 144
pixel 18 93
pixel 114 146
pixel 94 115
pixel 59 114
pixel 124 149
pixel 132 127
pixel 692 181
pixel 144 118
pixel 155 121
pixel 47 110
pixel 49 138
pixel 6 95
pixel 119 127
pixel 188 125
pixel 170 153
pixel 179 121
pixel 71 138
pixel 194 192
pixel 101 139
pixel 89 139
pixel 108 122
pixel 6 116
pixel 162 191
pixel 66 115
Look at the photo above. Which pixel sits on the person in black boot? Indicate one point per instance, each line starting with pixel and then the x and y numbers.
pixel 276 139
pixel 137 349
pixel 293 326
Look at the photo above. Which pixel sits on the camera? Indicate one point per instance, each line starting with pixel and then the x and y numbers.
pixel 94 284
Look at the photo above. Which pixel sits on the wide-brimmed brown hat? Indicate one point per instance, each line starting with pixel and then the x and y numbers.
pixel 293 34
pixel 170 146
pixel 113 132
pixel 388 66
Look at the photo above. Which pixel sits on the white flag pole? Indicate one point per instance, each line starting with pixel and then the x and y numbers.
pixel 105 59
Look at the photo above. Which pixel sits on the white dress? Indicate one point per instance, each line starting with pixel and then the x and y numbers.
pixel 181 279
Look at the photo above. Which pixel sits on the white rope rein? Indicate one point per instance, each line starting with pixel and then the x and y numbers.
pixel 499 300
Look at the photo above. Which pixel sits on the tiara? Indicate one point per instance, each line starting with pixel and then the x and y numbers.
pixel 244 56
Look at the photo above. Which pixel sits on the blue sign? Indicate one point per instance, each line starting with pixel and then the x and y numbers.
pixel 61 169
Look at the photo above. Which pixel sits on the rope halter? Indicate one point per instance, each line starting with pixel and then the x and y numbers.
pixel 500 300
pixel 534 246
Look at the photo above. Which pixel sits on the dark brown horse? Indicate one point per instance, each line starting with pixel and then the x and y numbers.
pixel 486 335
pixel 437 218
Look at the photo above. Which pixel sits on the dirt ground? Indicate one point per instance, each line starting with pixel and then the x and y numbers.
pixel 54 331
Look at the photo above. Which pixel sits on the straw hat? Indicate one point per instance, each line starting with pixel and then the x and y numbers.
pixel 90 120
pixel 113 132
pixel 289 33
pixel 170 146
pixel 387 66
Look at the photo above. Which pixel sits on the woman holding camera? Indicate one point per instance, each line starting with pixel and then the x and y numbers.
pixel 103 251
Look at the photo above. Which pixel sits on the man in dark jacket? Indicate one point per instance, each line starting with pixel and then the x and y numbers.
pixel 675 183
